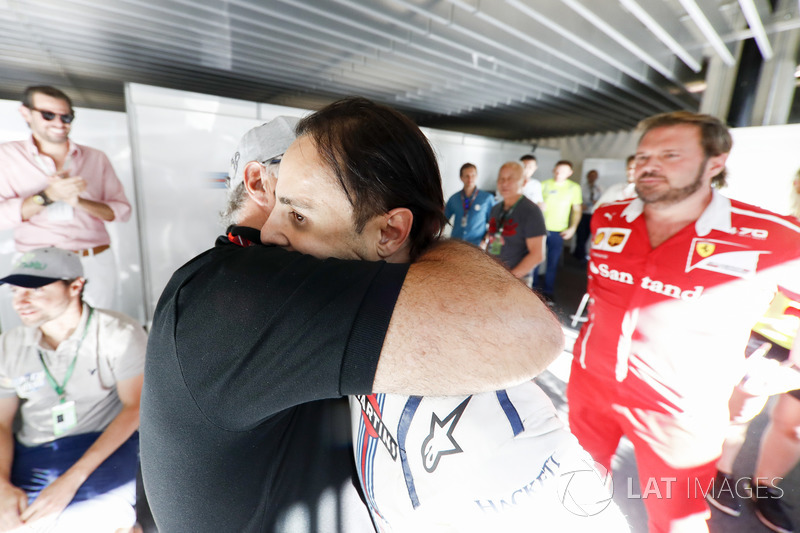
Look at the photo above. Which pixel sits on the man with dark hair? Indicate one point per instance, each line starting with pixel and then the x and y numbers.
pixel 621 191
pixel 533 187
pixel 245 336
pixel 677 278
pixel 470 207
pixel 73 375
pixel 54 192
pixel 562 213
pixel 488 461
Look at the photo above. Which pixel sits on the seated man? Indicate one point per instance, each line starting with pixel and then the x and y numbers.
pixel 495 461
pixel 74 373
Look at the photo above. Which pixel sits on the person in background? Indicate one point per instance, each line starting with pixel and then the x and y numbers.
pixel 677 278
pixel 591 193
pixel 470 207
pixel 54 192
pixel 621 191
pixel 533 187
pixel 516 227
pixel 73 375
pixel 562 211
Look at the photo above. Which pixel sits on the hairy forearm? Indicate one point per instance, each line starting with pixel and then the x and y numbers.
pixel 6 453
pixel 527 264
pixel 575 219
pixel 463 324
pixel 96 209
pixel 116 433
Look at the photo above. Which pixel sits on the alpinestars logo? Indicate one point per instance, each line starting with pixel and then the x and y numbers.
pixel 440 441
pixel 374 425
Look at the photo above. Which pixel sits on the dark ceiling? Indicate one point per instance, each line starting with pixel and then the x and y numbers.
pixel 516 69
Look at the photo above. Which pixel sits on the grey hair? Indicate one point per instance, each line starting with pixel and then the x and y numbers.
pixel 238 196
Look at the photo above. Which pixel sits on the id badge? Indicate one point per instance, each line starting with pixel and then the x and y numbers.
pixel 464 221
pixel 496 245
pixel 65 417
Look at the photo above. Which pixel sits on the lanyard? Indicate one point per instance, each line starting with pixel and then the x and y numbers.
pixel 468 200
pixel 505 215
pixel 50 379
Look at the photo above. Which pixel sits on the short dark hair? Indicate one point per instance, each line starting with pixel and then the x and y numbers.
pixel 382 161
pixel 714 135
pixel 465 166
pixel 630 158
pixel 27 96
pixel 528 157
pixel 564 162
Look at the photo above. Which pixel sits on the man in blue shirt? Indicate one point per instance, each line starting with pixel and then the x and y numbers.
pixel 470 206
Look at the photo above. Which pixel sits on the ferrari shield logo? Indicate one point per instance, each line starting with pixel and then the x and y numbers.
pixel 599 237
pixel 704 249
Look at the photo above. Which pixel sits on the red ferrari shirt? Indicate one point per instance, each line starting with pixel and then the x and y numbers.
pixel 667 326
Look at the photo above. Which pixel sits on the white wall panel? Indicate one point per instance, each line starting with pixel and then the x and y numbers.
pixel 609 171
pixel 183 144
pixel 762 165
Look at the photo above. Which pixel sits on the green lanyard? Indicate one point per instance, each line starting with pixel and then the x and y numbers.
pixel 50 379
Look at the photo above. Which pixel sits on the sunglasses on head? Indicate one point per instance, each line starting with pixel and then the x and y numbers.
pixel 49 115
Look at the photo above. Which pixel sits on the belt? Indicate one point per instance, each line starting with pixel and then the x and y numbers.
pixel 93 251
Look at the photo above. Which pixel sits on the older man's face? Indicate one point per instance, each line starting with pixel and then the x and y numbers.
pixel 312 214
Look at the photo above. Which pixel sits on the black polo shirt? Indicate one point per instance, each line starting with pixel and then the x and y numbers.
pixel 242 339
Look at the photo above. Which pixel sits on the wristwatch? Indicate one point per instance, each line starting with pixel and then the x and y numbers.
pixel 41 198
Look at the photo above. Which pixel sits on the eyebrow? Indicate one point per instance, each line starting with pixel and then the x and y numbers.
pixel 295 203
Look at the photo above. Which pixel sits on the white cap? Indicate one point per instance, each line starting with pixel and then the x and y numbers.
pixel 44 266
pixel 262 143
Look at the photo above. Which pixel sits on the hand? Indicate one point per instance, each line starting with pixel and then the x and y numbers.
pixel 65 189
pixel 567 233
pixel 52 500
pixel 13 502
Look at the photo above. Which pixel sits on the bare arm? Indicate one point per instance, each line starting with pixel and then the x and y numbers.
pixel 57 495
pixel 575 219
pixel 463 324
pixel 13 500
pixel 534 257
pixel 96 209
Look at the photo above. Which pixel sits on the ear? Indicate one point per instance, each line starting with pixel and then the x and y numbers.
pixel 394 231
pixel 26 113
pixel 715 164
pixel 257 183
pixel 76 286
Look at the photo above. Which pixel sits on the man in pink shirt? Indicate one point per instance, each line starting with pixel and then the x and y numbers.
pixel 54 192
